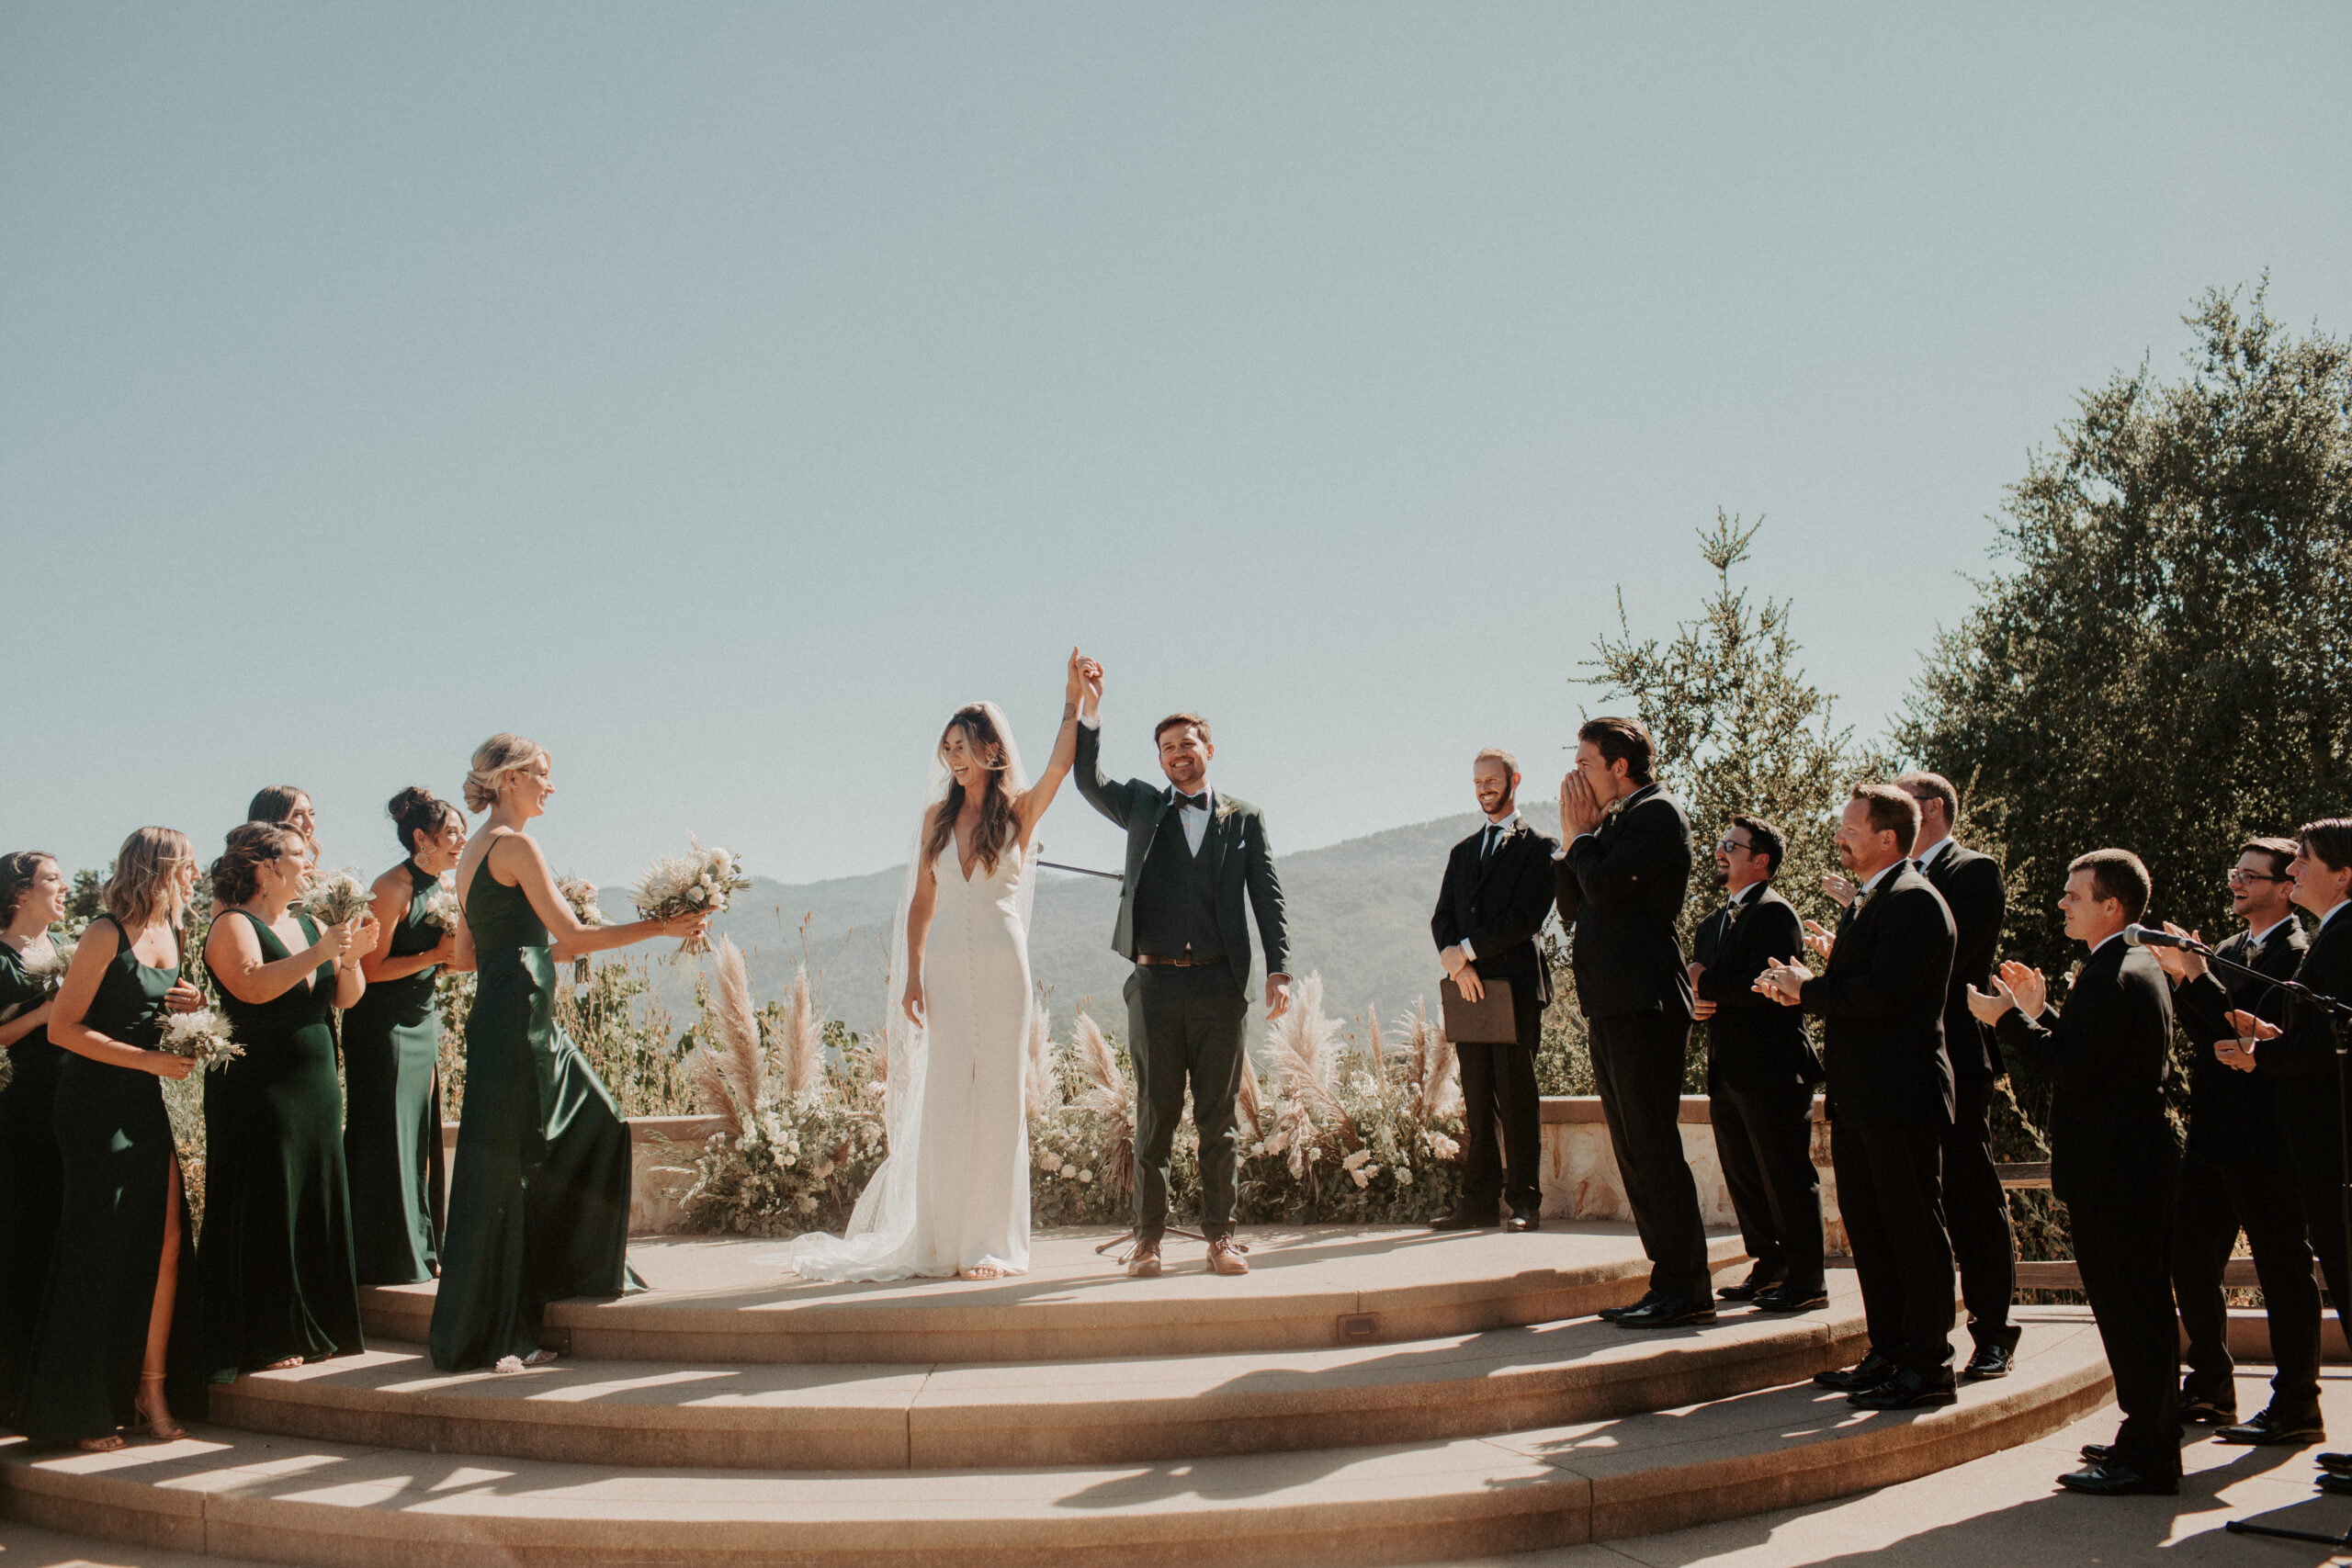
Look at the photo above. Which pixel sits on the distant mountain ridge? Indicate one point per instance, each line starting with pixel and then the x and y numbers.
pixel 1358 914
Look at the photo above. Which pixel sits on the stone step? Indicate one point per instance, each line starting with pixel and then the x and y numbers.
pixel 834 1417
pixel 351 1506
pixel 1307 1287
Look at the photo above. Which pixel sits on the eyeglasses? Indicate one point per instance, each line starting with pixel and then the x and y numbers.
pixel 2236 877
pixel 1726 844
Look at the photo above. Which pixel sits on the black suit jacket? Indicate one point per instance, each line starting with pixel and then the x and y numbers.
pixel 1499 907
pixel 2108 1054
pixel 1619 890
pixel 1971 891
pixel 2230 1115
pixel 1243 859
pixel 2307 1049
pixel 1753 1042
pixel 1882 995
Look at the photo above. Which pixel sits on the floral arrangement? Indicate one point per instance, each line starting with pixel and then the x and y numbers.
pixel 691 884
pixel 338 897
pixel 49 969
pixel 202 1037
pixel 581 893
pixel 1347 1131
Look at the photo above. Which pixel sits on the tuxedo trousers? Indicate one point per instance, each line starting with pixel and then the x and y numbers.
pixel 2123 1245
pixel 1764 1142
pixel 1889 1196
pixel 1976 1213
pixel 1638 1067
pixel 2219 1197
pixel 1499 1090
pixel 1184 1026
pixel 2310 1125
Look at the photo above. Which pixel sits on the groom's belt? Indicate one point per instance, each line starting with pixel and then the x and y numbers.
pixel 1187 962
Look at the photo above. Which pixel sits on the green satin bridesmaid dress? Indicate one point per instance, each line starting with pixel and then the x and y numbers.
pixel 32 1174
pixel 538 1203
pixel 278 1277
pixel 391 1128
pixel 114 1139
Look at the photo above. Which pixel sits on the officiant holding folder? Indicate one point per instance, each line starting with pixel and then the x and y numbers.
pixel 1498 890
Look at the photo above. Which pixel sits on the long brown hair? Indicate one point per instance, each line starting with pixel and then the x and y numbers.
pixel 141 892
pixel 998 826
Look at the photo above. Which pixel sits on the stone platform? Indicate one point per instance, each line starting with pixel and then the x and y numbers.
pixel 1363 1397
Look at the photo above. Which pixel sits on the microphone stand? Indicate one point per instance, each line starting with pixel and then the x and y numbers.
pixel 2336 1013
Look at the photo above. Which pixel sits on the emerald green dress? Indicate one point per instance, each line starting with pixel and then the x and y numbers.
pixel 538 1204
pixel 278 1277
pixel 115 1142
pixel 391 1128
pixel 32 1173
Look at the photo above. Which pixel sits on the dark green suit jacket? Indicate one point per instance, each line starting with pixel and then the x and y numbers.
pixel 1240 857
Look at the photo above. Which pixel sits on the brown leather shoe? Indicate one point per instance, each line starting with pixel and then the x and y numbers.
pixel 1224 1256
pixel 1143 1259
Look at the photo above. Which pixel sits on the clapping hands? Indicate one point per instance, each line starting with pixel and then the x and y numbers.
pixel 1784 983
pixel 2239 1053
pixel 2014 985
pixel 1840 888
pixel 2179 963
pixel 1819 938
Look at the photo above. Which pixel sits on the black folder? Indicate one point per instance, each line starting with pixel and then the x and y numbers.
pixel 1490 1020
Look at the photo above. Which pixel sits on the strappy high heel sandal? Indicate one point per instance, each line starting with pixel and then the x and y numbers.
pixel 146 1422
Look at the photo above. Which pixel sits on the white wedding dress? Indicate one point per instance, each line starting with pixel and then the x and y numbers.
pixel 952 1194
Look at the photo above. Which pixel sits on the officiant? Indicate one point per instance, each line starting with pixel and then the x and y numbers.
pixel 1497 892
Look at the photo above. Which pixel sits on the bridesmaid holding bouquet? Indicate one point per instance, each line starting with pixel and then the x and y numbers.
pixel 278 1282
pixel 118 1336
pixel 32 1173
pixel 539 1210
pixel 392 1053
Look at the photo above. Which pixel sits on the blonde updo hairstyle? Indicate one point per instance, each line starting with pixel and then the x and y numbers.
pixel 494 759
pixel 143 890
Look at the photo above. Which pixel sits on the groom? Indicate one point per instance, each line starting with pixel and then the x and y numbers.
pixel 1191 855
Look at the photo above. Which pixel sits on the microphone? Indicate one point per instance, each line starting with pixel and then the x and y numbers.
pixel 2152 936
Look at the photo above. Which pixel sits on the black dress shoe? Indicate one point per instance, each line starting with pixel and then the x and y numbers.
pixel 2336 1481
pixel 1668 1312
pixel 1613 1313
pixel 1869 1373
pixel 2333 1462
pixel 2114 1478
pixel 1909 1389
pixel 2098 1453
pixel 1747 1290
pixel 1990 1361
pixel 2271 1429
pixel 1524 1223
pixel 2197 1410
pixel 1461 1222
pixel 1787 1298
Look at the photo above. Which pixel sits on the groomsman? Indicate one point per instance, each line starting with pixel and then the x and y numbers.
pixel 1620 883
pixel 2237 1173
pixel 1976 1209
pixel 1760 1073
pixel 1194 857
pixel 1889 1099
pixel 2113 1162
pixel 1497 892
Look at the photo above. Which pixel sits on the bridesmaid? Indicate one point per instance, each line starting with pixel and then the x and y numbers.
pixel 279 1284
pixel 32 1173
pixel 289 808
pixel 539 1210
pixel 117 1332
pixel 392 1054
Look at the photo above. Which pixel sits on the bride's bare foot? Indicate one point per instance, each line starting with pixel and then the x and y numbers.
pixel 289 1361
pixel 155 1415
pixel 106 1445
pixel 980 1271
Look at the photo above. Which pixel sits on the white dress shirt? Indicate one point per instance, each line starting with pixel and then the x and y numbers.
pixel 1491 835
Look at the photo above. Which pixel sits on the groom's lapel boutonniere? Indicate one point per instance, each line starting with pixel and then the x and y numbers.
pixel 1224 807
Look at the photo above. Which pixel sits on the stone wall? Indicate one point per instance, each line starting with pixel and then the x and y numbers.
pixel 1580 1180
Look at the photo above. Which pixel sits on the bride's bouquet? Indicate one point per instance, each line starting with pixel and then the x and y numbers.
pixel 334 900
pixel 581 893
pixel 202 1037
pixel 689 885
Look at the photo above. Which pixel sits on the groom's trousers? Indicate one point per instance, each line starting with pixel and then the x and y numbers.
pixel 1184 1026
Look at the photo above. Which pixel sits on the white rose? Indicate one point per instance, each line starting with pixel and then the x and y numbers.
pixel 1404 1177
pixel 1050 1163
pixel 1086 1176
pixel 697 896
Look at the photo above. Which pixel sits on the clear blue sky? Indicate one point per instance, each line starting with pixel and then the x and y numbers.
pixel 720 393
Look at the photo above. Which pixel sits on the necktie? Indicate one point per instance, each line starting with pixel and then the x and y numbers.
pixel 1494 837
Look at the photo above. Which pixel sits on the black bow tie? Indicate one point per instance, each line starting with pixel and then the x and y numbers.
pixel 1197 802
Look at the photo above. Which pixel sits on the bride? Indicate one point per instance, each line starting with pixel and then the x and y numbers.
pixel 953 1196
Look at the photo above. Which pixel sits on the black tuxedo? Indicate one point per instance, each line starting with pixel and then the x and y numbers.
pixel 1976 1209
pixel 1620 890
pixel 2113 1164
pixel 1882 997
pixel 1496 900
pixel 1760 1073
pixel 2235 1175
pixel 1184 1021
